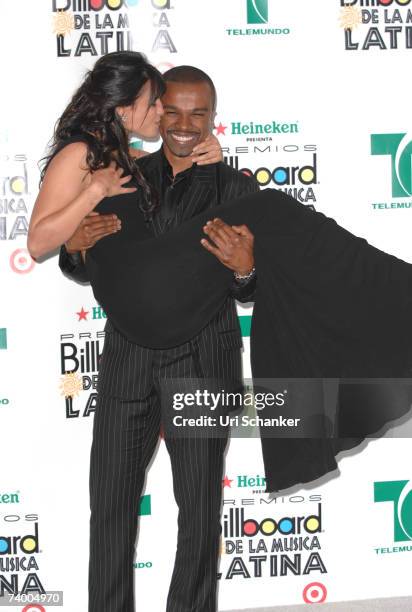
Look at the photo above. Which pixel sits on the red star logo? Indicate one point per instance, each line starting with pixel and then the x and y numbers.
pixel 82 314
pixel 227 482
pixel 220 129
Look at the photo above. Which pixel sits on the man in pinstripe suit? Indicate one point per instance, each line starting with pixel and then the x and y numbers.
pixel 129 409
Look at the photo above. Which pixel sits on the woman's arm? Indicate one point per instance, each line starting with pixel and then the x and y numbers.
pixel 68 193
pixel 207 152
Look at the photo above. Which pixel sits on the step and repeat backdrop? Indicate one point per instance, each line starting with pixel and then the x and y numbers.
pixel 313 99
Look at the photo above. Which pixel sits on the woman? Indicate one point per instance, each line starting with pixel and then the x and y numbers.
pixel 90 156
pixel 321 298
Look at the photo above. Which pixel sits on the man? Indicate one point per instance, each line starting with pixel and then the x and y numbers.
pixel 129 410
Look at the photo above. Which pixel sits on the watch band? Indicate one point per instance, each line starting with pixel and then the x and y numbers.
pixel 244 277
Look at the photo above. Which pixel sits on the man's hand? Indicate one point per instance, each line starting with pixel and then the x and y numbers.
pixel 232 245
pixel 93 228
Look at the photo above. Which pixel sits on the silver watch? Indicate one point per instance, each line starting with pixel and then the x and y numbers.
pixel 244 277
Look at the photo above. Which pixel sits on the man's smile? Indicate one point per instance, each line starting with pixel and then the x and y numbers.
pixel 184 137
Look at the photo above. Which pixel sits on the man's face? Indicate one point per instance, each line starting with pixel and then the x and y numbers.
pixel 188 116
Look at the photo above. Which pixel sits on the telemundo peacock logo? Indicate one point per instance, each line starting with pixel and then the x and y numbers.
pixel 145 505
pixel 257 14
pixel 399 494
pixel 257 11
pixel 3 338
pixel 398 148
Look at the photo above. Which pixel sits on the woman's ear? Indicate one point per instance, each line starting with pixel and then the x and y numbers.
pixel 121 112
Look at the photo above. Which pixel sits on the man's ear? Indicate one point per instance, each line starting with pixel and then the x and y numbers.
pixel 212 122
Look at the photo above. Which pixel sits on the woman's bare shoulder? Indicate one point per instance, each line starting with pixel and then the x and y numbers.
pixel 72 152
pixel 71 158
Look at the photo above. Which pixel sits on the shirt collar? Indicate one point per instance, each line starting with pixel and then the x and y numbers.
pixel 167 169
pixel 156 164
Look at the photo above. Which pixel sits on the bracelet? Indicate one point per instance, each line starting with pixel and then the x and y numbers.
pixel 245 276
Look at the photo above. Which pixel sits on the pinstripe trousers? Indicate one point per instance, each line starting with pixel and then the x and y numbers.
pixel 125 435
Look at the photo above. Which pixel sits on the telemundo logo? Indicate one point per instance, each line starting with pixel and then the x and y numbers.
pixel 143 564
pixel 399 148
pixel 399 493
pixel 257 11
pixel 145 505
pixel 3 338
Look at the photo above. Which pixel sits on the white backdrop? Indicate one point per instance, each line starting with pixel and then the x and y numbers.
pixel 341 97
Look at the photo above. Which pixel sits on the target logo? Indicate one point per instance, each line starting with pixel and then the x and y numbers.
pixel 315 592
pixel 33 608
pixel 21 261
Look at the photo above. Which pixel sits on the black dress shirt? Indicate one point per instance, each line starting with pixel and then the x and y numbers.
pixel 173 189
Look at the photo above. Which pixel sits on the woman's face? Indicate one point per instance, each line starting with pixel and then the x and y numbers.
pixel 141 118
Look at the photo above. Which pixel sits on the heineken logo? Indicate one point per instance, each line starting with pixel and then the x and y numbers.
pixel 274 127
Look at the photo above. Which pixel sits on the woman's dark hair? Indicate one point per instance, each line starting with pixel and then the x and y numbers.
pixel 115 80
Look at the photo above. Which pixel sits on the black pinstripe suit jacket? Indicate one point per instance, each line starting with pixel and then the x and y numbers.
pixel 125 369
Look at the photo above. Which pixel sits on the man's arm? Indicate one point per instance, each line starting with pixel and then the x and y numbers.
pixel 72 265
pixel 244 290
pixel 94 227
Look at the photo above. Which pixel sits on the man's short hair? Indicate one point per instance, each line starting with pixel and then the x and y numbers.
pixel 190 74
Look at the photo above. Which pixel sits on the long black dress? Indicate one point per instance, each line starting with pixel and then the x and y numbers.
pixel 328 306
